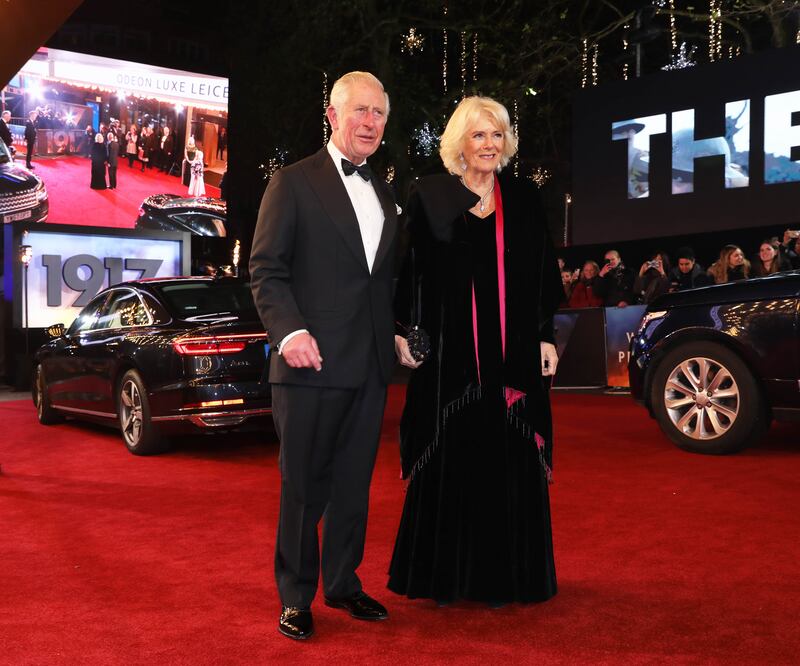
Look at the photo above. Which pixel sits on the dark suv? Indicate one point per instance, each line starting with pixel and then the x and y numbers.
pixel 714 365
pixel 23 196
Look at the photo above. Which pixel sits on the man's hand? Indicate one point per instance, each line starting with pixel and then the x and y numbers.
pixel 302 352
pixel 403 353
pixel 549 359
pixel 605 269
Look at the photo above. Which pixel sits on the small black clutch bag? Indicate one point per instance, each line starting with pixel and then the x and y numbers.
pixel 419 343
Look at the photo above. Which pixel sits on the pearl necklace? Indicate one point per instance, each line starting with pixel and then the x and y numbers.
pixel 482 202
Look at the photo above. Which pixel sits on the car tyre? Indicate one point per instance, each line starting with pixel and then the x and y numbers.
pixel 139 433
pixel 45 412
pixel 706 400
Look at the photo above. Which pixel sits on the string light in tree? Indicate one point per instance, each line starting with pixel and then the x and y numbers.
pixel 540 176
pixel 516 134
pixel 475 57
pixel 463 62
pixel 325 103
pixel 595 53
pixel 673 31
pixel 412 42
pixel 444 51
pixel 584 63
pixel 625 47
pixel 715 30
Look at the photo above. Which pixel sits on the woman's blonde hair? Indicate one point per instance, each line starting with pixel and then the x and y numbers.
pixel 466 115
pixel 719 269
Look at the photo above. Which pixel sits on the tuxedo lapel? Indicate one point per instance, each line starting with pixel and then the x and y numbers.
pixel 389 221
pixel 327 184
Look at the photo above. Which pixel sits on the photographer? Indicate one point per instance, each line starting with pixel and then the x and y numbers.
pixel 615 285
pixel 688 274
pixel 788 247
pixel 652 280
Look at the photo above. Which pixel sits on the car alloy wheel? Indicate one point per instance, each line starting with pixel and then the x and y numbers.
pixel 138 431
pixel 44 411
pixel 702 398
pixel 130 405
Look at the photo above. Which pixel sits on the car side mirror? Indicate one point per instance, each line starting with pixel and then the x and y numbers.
pixel 56 331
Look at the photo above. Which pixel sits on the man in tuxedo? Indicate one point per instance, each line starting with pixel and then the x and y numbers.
pixel 322 264
pixel 30 137
pixel 5 131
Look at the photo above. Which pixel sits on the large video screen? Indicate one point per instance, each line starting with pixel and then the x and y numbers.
pixel 102 142
pixel 706 148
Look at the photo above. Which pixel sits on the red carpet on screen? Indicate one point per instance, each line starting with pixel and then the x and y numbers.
pixel 72 201
pixel 662 556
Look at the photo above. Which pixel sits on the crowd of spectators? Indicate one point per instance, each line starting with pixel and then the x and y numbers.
pixel 615 285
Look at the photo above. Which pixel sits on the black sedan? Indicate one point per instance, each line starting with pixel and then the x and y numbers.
pixel 715 365
pixel 23 196
pixel 158 356
pixel 203 216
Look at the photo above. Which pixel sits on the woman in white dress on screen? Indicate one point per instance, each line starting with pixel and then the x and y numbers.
pixel 194 162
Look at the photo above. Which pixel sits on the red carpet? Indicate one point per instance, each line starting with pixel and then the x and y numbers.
pixel 72 201
pixel 662 556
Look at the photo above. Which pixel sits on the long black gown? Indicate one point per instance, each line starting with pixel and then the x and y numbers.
pixel 99 157
pixel 476 519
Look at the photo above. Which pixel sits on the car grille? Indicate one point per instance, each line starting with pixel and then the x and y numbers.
pixel 13 201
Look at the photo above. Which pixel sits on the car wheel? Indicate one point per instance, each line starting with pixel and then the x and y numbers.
pixel 44 410
pixel 706 399
pixel 138 432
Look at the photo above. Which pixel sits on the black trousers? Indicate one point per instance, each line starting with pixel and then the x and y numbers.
pixel 112 176
pixel 329 440
pixel 29 145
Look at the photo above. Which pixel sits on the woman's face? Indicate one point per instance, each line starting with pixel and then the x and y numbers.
pixel 483 146
pixel 767 253
pixel 735 258
pixel 589 272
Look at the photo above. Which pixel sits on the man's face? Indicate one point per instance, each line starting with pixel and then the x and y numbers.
pixel 612 259
pixel 685 265
pixel 358 126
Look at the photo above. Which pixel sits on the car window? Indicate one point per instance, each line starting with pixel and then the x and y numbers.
pixel 124 309
pixel 88 316
pixel 192 299
pixel 157 312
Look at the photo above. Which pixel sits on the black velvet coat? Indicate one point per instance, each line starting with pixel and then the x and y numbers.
pixel 441 271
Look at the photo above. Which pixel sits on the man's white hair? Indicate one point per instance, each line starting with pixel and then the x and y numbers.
pixel 341 88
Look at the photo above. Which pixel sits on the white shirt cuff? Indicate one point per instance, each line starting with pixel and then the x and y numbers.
pixel 289 337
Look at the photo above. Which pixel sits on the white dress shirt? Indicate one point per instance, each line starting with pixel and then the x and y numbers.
pixel 368 211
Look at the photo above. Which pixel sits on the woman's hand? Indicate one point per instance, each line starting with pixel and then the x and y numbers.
pixel 549 359
pixel 403 353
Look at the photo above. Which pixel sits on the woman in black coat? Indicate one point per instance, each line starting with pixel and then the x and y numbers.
pixel 99 159
pixel 476 435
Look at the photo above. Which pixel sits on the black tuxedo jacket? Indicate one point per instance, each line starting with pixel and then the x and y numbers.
pixel 30 131
pixel 309 270
pixel 5 133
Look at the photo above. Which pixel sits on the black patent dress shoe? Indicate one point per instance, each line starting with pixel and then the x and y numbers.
pixel 296 623
pixel 360 606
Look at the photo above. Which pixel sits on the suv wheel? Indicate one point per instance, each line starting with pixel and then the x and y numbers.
pixel 706 400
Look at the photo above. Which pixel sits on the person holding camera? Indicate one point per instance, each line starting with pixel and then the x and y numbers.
pixel 788 248
pixel 652 280
pixel 616 284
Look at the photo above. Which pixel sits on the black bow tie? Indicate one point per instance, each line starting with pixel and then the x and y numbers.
pixel 349 169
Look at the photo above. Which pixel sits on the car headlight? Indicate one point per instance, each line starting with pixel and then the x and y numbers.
pixel 41 191
pixel 648 317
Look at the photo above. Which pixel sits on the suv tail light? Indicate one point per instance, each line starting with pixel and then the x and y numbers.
pixel 212 345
